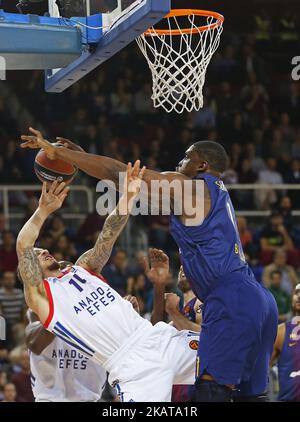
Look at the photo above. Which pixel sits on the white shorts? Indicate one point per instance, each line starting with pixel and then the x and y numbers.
pixel 145 369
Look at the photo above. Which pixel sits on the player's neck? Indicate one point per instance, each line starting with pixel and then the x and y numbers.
pixel 54 273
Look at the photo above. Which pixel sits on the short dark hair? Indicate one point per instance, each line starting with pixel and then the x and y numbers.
pixel 214 153
pixel 274 273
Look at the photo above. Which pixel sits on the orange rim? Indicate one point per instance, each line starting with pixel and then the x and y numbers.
pixel 185 12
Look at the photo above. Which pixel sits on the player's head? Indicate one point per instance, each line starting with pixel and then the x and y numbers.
pixel 296 300
pixel 183 283
pixel 47 262
pixel 202 157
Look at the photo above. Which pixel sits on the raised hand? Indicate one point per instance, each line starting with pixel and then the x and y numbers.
pixel 37 141
pixel 158 270
pixel 171 302
pixel 133 179
pixel 52 199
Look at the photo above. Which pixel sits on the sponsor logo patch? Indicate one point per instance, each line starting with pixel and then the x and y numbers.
pixel 194 344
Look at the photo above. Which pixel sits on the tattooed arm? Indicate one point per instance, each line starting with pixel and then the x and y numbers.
pixel 29 267
pixel 96 258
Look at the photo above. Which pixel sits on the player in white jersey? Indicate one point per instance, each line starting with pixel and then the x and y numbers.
pixel 59 372
pixel 79 307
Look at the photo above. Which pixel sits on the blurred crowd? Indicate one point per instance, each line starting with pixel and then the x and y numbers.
pixel 252 107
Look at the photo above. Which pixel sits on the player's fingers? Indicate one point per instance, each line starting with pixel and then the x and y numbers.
pixel 64 194
pixel 35 132
pixel 129 171
pixel 136 168
pixel 53 186
pixel 59 188
pixel 142 173
pixel 44 188
pixel 146 264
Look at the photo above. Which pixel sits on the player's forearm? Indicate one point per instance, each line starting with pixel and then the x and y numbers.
pixel 37 338
pixel 29 266
pixel 96 258
pixel 97 166
pixel 158 313
pixel 31 230
pixel 102 167
pixel 181 322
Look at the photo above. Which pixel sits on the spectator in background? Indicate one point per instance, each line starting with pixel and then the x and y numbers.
pixel 22 379
pixel 275 237
pixel 289 277
pixel 8 255
pixel 12 305
pixel 3 382
pixel 265 198
pixel 9 393
pixel 117 272
pixel 57 227
pixel 293 177
pixel 263 28
pixel 245 235
pixel 142 100
pixel 159 231
pixel 257 163
pixel 283 300
pixel 246 176
pixel 285 209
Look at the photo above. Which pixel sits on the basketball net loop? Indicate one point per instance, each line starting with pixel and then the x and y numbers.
pixel 178 59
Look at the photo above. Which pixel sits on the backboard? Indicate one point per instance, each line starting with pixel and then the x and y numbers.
pixel 107 26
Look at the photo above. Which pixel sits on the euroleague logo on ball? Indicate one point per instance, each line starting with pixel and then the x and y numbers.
pixel 194 344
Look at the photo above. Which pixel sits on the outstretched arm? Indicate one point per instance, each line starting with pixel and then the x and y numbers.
pixel 37 338
pixel 29 267
pixel 100 167
pixel 96 258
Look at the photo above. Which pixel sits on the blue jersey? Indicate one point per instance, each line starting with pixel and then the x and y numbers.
pixel 189 310
pixel 212 250
pixel 289 363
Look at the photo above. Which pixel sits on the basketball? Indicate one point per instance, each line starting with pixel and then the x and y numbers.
pixel 50 170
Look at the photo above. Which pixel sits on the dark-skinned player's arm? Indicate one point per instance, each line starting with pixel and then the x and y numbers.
pixel 96 258
pixel 29 266
pixel 100 167
pixel 157 270
pixel 179 321
pixel 37 338
pixel 278 344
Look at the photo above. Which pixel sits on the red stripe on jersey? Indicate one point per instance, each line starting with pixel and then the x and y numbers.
pixel 96 275
pixel 51 304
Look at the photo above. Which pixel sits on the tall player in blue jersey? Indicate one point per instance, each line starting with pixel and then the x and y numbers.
pixel 240 316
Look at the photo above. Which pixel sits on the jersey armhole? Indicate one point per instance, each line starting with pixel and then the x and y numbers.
pixel 51 304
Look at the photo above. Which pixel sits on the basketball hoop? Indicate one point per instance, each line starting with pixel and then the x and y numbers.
pixel 178 57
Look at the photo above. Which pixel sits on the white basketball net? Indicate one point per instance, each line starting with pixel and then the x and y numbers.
pixel 179 62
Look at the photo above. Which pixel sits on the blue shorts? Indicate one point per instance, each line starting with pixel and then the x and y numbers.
pixel 238 333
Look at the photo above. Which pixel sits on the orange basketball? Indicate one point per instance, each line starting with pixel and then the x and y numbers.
pixel 50 170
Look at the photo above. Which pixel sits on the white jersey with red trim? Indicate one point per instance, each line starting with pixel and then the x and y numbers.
pixel 63 374
pixel 89 315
